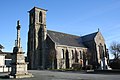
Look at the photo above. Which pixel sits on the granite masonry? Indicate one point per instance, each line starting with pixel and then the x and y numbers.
pixel 57 50
pixel 18 65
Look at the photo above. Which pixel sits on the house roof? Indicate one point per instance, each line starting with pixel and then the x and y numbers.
pixel 1 53
pixel 8 55
pixel 89 37
pixel 65 39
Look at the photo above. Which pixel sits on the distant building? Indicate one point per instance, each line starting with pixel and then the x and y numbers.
pixel 52 49
pixel 5 62
pixel 2 59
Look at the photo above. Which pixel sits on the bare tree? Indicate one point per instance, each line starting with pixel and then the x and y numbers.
pixel 1 47
pixel 115 49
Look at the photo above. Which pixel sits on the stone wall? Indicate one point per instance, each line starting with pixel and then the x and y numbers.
pixel 36 38
pixel 62 50
pixel 101 51
pixel 5 69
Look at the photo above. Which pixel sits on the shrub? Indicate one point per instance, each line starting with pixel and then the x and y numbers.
pixel 88 67
pixel 77 66
pixel 115 64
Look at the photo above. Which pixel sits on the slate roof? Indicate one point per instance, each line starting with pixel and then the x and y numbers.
pixel 65 39
pixel 89 37
pixel 8 55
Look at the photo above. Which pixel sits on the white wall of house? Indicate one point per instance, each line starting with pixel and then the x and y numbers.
pixel 2 60
pixel 3 67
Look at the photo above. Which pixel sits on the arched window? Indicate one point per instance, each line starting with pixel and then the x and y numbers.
pixel 40 17
pixel 106 51
pixel 32 18
pixel 72 54
pixel 62 54
pixel 81 56
pixel 101 51
pixel 76 56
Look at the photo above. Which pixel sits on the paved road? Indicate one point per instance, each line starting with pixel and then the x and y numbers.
pixel 55 75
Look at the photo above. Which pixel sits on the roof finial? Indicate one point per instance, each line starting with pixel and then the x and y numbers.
pixel 18 22
pixel 98 30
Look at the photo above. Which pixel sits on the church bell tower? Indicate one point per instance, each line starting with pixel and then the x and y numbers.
pixel 37 38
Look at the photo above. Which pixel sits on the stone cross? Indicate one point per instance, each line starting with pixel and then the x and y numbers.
pixel 18 64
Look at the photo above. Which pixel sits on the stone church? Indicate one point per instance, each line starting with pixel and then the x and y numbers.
pixel 52 49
